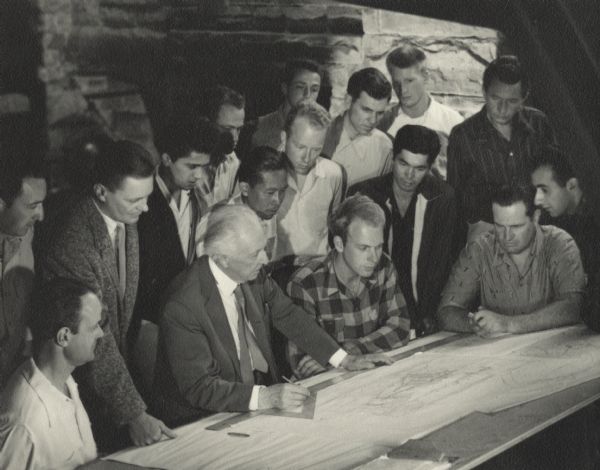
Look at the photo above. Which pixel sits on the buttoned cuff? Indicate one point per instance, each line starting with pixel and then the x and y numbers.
pixel 338 357
pixel 253 406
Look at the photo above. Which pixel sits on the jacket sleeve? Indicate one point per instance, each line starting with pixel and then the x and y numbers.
pixel 296 325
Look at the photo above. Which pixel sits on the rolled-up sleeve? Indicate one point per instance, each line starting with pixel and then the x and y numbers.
pixel 463 286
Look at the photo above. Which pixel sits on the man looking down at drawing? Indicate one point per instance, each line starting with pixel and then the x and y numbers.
pixel 524 277
pixel 353 292
pixel 214 349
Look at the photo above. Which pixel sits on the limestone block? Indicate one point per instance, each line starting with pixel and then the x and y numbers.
pixel 54 6
pixel 411 25
pixel 86 13
pixel 115 17
pixel 56 23
pixel 344 19
pixel 62 103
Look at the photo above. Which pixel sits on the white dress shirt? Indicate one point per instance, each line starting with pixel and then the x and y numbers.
pixel 111 225
pixel 40 427
pixel 181 213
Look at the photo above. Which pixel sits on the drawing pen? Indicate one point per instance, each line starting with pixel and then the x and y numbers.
pixel 286 379
pixel 238 434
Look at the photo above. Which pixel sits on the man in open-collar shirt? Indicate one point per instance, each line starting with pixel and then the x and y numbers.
pixel 352 293
pixel 518 278
pixel 314 184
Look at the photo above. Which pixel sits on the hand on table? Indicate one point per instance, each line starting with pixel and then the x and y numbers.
pixel 145 430
pixel 366 361
pixel 282 396
pixel 486 323
pixel 308 367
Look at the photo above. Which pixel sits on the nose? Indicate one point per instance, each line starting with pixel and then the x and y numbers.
pixel 144 205
pixel 39 214
pixel 411 173
pixel 373 255
pixel 509 234
pixel 306 92
pixel 539 197
pixel 262 257
pixel 502 106
pixel 275 198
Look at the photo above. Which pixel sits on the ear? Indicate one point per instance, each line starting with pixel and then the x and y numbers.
pixel 166 160
pixel 244 187
pixel 221 260
pixel 572 184
pixel 62 337
pixel 347 101
pixel 536 215
pixel 338 244
pixel 100 192
pixel 283 138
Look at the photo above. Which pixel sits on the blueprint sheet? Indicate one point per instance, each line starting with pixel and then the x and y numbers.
pixel 365 416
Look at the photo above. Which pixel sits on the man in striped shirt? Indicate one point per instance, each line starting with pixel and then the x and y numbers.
pixel 353 292
pixel 496 146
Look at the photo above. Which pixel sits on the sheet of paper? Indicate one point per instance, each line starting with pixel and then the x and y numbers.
pixel 365 416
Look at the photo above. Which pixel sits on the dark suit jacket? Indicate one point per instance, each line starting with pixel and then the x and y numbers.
pixel 198 371
pixel 161 255
pixel 437 252
pixel 83 250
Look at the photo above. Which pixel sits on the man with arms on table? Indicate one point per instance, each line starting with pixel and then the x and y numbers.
pixel 352 293
pixel 214 343
pixel 518 278
pixel 43 424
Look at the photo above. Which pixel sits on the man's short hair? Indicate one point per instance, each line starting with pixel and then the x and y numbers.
pixel 355 207
pixel 295 66
pixel 372 82
pixel 505 69
pixel 557 162
pixel 120 160
pixel 182 135
pixel 404 57
pixel 260 160
pixel 227 227
pixel 16 164
pixel 507 195
pixel 218 96
pixel 57 304
pixel 418 139
pixel 317 115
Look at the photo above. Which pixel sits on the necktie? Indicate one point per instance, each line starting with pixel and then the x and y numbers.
pixel 120 255
pixel 250 354
pixel 194 218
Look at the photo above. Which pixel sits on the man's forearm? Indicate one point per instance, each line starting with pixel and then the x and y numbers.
pixel 558 313
pixel 452 318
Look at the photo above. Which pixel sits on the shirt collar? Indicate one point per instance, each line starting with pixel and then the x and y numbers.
pixel 500 255
pixel 160 182
pixel 111 224
pixel 224 282
pixel 331 284
pixel 316 171
pixel 427 111
pixel 39 382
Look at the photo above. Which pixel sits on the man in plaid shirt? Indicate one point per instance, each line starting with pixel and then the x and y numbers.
pixel 353 291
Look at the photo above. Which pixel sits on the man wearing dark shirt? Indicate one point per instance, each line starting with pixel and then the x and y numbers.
pixel 558 193
pixel 497 145
pixel 420 226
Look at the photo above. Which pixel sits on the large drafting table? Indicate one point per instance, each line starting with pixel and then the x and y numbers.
pixel 451 384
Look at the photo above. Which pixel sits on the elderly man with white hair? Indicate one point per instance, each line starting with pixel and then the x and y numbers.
pixel 215 333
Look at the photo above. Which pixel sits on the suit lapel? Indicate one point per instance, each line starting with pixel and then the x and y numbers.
pixel 216 312
pixel 103 243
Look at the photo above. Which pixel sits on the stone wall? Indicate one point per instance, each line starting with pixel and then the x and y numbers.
pixel 133 62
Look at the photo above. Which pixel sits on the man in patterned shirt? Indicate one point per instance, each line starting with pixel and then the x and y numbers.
pixel 518 278
pixel 353 292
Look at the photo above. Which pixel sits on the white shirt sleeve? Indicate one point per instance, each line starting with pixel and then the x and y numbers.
pixel 338 357
pixel 253 406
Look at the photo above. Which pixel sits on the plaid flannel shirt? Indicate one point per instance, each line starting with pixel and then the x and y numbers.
pixel 377 320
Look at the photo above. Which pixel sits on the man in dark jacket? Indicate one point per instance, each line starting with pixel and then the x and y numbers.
pixel 420 222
